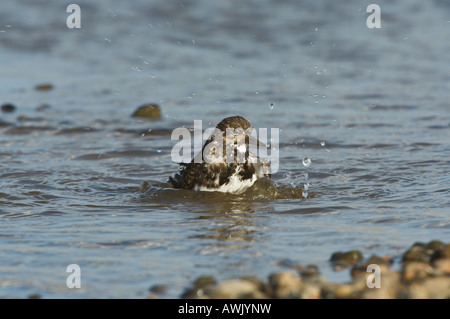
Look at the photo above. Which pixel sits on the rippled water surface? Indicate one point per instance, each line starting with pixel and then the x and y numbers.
pixel 369 107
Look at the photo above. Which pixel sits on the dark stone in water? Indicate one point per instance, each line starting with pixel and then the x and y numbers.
pixel 374 259
pixel 426 253
pixel 438 249
pixel 8 108
pixel 4 124
pixel 435 245
pixel 43 107
pixel 24 118
pixel 445 252
pixel 44 87
pixel 76 130
pixel 310 271
pixel 158 289
pixel 342 260
pixel 418 253
pixel 148 111
pixel 203 281
pixel 361 268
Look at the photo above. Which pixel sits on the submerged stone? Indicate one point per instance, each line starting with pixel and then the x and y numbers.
pixel 158 289
pixel 44 87
pixel 43 107
pixel 4 124
pixel 148 111
pixel 310 271
pixel 204 281
pixel 8 108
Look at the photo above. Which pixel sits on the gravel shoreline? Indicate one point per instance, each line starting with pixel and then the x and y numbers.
pixel 424 273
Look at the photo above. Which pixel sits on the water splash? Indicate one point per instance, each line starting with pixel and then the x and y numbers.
pixel 305 190
pixel 306 161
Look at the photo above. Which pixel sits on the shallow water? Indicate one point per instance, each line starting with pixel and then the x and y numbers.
pixel 369 107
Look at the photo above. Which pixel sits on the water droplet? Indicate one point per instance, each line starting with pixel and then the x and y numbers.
pixel 322 143
pixel 305 189
pixel 306 161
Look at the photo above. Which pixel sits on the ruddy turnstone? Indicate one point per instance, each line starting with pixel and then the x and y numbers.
pixel 226 162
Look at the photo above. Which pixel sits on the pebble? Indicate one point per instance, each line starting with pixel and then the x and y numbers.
pixel 391 287
pixel 309 271
pixel 43 107
pixel 236 289
pixel 285 285
pixel 148 111
pixel 341 260
pixel 345 291
pixel 415 270
pixel 8 108
pixel 199 285
pixel 435 246
pixel 361 269
pixel 417 253
pixel 158 289
pixel 5 124
pixel 418 278
pixel 44 87
pixel 430 288
pixel 444 253
pixel 442 266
